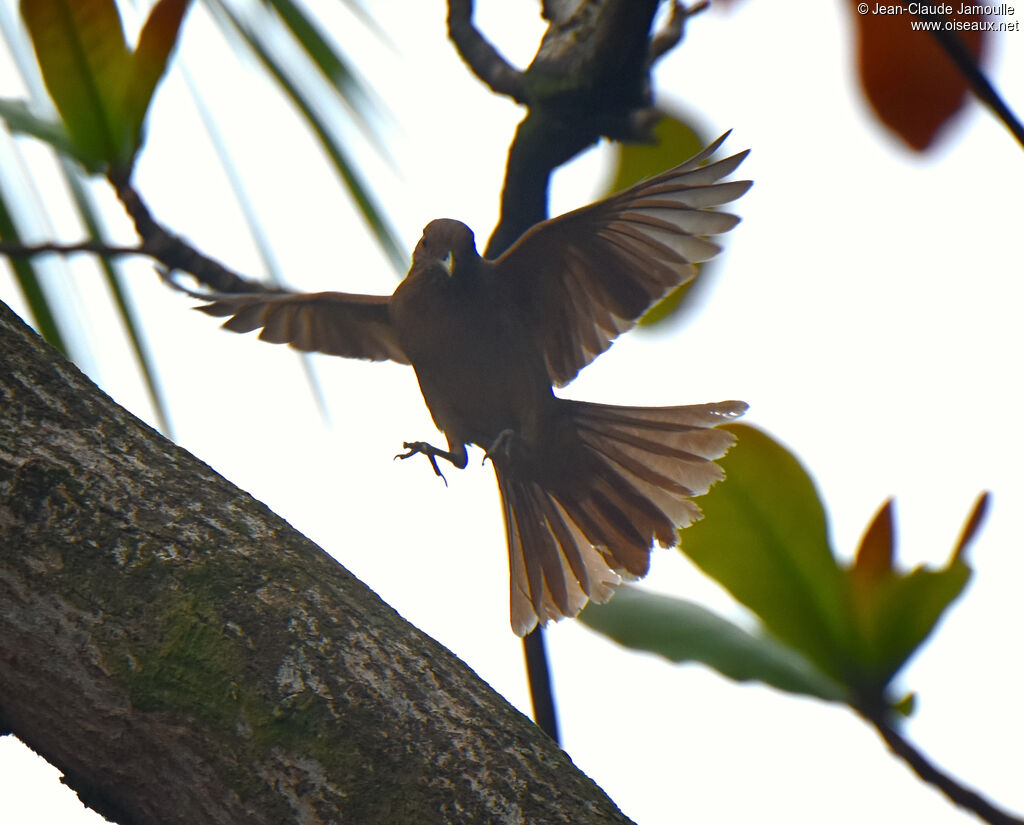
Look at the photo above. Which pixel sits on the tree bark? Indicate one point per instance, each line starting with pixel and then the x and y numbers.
pixel 184 656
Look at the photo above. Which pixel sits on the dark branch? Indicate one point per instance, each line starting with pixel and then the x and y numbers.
pixel 540 146
pixel 672 34
pixel 158 243
pixel 170 250
pixel 19 250
pixel 930 773
pixel 182 655
pixel 485 61
pixel 590 79
pixel 542 696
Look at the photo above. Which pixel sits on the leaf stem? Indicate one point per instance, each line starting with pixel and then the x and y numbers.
pixel 930 773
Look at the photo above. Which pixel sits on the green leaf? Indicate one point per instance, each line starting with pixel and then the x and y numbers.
pixel 675 140
pixel 28 282
pixel 149 62
pixel 896 612
pixel 764 538
pixel 324 56
pixel 84 60
pixel 20 120
pixel 683 631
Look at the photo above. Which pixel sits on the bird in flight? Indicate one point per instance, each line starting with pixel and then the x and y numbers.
pixel 586 488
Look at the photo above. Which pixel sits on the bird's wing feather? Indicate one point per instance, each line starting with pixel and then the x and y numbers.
pixel 335 323
pixel 586 276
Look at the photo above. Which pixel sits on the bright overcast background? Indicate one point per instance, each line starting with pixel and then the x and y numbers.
pixel 868 308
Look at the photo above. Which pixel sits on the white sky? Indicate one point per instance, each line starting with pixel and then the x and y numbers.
pixel 867 308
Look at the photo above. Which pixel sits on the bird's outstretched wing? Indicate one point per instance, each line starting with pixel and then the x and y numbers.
pixel 336 323
pixel 586 276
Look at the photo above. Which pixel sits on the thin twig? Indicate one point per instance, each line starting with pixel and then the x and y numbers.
pixel 158 243
pixel 930 773
pixel 105 250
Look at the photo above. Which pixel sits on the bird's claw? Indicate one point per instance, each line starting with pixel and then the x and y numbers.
pixel 417 447
pixel 500 446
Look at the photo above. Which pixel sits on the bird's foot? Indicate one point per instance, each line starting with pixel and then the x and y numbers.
pixel 431 452
pixel 501 446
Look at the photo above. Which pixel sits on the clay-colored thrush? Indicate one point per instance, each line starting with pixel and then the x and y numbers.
pixel 586 488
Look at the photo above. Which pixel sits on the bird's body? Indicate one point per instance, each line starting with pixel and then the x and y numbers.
pixel 471 343
pixel 586 488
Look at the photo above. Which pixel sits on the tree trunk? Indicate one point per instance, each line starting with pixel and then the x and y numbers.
pixel 184 656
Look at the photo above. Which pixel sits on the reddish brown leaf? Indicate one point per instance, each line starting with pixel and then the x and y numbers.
pixel 156 42
pixel 973 524
pixel 909 81
pixel 874 556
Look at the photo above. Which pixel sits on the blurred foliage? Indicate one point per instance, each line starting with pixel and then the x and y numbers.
pixel 102 90
pixel 838 632
pixel 764 538
pixel 27 278
pixel 683 631
pixel 907 79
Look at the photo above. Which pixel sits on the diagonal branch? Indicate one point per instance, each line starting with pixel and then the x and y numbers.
pixel 958 793
pixel 183 655
pixel 169 249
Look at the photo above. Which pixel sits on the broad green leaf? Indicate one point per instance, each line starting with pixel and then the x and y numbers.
pixel 764 538
pixel 149 62
pixel 686 632
pixel 84 61
pixel 904 609
pixel 895 612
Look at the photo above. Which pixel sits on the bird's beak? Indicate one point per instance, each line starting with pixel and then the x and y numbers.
pixel 448 262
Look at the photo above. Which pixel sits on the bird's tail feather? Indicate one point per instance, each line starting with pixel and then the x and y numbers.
pixel 641 466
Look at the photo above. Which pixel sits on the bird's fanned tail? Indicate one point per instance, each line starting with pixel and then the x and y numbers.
pixel 643 466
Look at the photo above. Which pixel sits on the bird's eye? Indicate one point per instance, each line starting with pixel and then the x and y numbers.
pixel 448 262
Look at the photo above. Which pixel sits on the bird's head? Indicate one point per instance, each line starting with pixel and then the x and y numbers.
pixel 447 243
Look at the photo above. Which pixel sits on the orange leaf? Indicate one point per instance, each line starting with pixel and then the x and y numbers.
pixel 909 81
pixel 157 40
pixel 874 556
pixel 973 524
